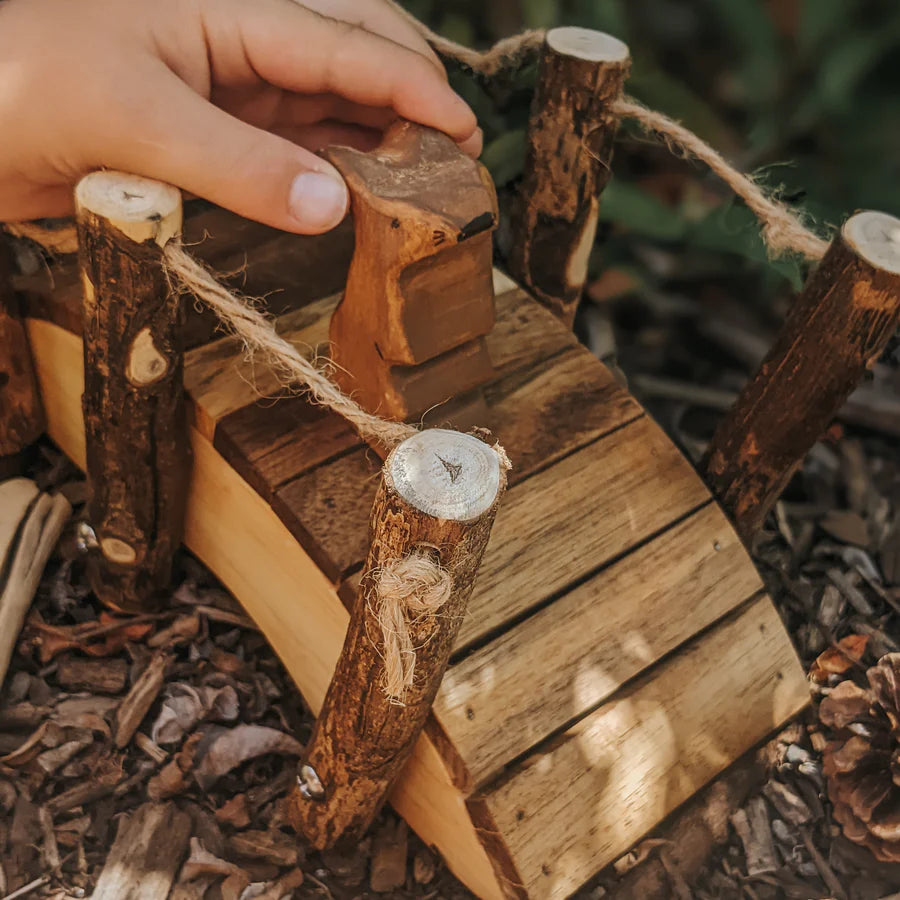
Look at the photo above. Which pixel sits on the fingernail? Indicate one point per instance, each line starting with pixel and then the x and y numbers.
pixel 318 201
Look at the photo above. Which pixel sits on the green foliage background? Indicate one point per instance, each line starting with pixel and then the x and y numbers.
pixel 803 93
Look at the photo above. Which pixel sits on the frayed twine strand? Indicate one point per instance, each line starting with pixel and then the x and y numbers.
pixel 782 230
pixel 257 333
pixel 408 590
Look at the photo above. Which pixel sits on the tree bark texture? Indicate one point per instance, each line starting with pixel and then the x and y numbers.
pixel 836 329
pixel 21 413
pixel 362 738
pixel 138 456
pixel 567 164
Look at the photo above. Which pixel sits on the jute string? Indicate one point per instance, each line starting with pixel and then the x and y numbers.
pixel 408 591
pixel 782 230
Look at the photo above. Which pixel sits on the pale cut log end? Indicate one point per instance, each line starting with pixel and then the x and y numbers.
pixel 445 474
pixel 141 208
pixel 875 236
pixel 587 44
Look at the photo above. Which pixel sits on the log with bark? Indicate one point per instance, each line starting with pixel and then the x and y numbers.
pixel 21 413
pixel 134 414
pixel 567 164
pixel 438 497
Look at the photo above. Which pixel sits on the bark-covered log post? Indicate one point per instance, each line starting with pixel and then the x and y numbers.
pixel 21 412
pixel 837 327
pixel 430 524
pixel 134 413
pixel 567 164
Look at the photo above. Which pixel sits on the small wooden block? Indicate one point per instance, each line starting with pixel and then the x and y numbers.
pixel 420 287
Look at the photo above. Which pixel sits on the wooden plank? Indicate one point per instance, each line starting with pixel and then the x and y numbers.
pixel 238 535
pixel 328 510
pixel 569 520
pixel 573 807
pixel 546 410
pixel 271 443
pixel 592 640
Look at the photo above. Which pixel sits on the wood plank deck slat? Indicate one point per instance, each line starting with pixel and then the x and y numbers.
pixel 591 641
pixel 574 806
pixel 571 519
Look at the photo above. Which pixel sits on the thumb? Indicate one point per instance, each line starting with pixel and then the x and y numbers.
pixel 184 139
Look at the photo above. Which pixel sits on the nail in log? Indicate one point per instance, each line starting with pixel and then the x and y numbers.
pixel 137 447
pixel 409 332
pixel 438 495
pixel 835 330
pixel 21 412
pixel 567 164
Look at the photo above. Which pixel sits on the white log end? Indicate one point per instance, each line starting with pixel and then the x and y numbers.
pixel 875 236
pixel 445 474
pixel 141 208
pixel 587 44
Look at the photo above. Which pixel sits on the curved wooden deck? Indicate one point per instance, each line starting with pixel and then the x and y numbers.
pixel 619 650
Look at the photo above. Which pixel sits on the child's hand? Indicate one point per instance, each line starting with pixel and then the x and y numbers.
pixel 127 84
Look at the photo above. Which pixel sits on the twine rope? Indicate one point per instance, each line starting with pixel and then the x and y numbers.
pixel 782 230
pixel 258 335
pixel 408 591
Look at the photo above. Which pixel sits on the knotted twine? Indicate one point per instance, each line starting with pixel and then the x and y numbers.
pixel 409 590
pixel 415 586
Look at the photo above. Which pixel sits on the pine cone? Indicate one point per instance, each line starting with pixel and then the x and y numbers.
pixel 862 763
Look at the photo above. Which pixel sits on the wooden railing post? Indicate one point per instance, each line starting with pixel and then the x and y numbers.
pixel 409 332
pixel 21 413
pixel 567 164
pixel 837 327
pixel 437 499
pixel 134 414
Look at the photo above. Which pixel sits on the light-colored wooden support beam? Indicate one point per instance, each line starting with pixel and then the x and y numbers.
pixel 419 298
pixel 567 164
pixel 21 414
pixel 836 329
pixel 136 430
pixel 436 502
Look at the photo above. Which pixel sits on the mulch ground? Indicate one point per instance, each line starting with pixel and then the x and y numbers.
pixel 190 707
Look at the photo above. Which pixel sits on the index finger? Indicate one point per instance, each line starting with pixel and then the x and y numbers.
pixel 299 50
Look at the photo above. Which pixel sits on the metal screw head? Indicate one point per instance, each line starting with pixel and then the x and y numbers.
pixel 310 786
pixel 85 538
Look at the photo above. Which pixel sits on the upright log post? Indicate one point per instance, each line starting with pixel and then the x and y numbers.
pixel 135 427
pixel 409 332
pixel 567 164
pixel 836 329
pixel 21 413
pixel 438 497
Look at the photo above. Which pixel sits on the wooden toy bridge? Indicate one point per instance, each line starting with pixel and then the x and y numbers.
pixel 619 650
